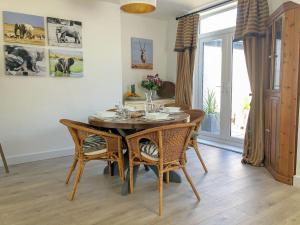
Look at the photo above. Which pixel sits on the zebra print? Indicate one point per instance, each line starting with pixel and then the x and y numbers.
pixel 149 150
pixel 93 143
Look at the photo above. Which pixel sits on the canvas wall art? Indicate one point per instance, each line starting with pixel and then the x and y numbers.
pixel 141 53
pixel 23 28
pixel 64 33
pixel 65 63
pixel 24 61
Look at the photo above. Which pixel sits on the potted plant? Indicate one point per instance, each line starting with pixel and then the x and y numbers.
pixel 211 120
pixel 151 83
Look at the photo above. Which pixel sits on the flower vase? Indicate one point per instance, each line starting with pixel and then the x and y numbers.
pixel 148 95
pixel 148 103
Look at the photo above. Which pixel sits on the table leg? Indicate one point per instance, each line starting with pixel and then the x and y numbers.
pixel 114 167
pixel 146 168
pixel 126 184
pixel 174 177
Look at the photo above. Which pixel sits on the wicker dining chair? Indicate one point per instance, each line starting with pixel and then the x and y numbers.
pixel 92 144
pixel 196 117
pixel 163 147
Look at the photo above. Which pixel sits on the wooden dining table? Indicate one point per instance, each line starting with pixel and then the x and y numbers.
pixel 132 125
pixel 139 123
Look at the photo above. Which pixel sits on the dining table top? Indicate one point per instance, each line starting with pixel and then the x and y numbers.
pixel 137 123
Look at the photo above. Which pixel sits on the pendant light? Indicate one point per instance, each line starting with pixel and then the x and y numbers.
pixel 138 7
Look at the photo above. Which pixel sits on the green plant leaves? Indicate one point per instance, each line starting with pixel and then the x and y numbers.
pixel 210 102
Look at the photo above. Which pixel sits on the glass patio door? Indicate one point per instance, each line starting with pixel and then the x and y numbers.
pixel 221 89
pixel 212 50
pixel 240 92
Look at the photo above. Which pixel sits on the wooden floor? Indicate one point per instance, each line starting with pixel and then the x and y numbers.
pixel 232 193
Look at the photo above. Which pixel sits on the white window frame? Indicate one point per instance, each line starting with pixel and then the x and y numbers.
pixel 226 35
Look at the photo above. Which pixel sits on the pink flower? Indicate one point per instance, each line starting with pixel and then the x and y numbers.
pixel 152 82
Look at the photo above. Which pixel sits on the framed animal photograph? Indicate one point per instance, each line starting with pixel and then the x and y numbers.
pixel 24 61
pixel 141 53
pixel 23 28
pixel 65 63
pixel 64 33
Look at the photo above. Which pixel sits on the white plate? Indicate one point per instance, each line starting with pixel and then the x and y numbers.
pixel 157 116
pixel 172 109
pixel 130 108
pixel 106 114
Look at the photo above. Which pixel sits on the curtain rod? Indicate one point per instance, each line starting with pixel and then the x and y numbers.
pixel 206 8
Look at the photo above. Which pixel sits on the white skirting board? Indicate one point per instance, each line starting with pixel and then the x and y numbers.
pixel 18 159
pixel 296 182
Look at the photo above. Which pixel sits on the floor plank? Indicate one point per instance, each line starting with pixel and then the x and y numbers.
pixel 231 194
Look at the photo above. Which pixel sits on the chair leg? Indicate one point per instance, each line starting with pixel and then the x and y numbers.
pixel 121 170
pixel 71 170
pixel 79 173
pixel 130 176
pixel 196 148
pixel 4 160
pixel 160 193
pixel 191 183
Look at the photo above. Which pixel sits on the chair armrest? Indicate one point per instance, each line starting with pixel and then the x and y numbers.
pixel 84 130
pixel 113 141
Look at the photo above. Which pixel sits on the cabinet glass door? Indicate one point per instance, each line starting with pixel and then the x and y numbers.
pixel 277 53
pixel 270 57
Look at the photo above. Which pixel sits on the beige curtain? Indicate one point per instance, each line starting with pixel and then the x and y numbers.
pixel 252 18
pixel 186 43
pixel 251 25
pixel 255 54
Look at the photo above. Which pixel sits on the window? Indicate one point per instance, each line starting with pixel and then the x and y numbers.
pixel 219 21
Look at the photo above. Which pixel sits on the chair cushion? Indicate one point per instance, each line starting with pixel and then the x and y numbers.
pixel 94 145
pixel 149 150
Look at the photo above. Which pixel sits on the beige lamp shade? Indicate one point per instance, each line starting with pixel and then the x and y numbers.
pixel 138 7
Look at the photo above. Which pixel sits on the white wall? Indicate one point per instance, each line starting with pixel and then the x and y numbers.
pixel 274 4
pixel 148 28
pixel 297 176
pixel 30 107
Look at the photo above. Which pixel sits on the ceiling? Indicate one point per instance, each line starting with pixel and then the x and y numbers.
pixel 167 9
